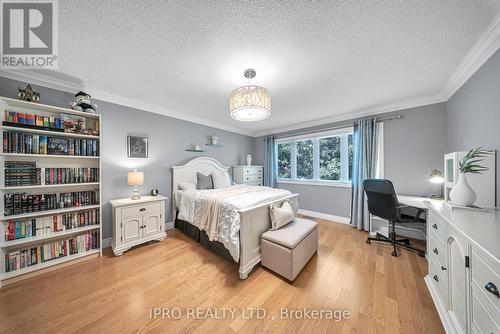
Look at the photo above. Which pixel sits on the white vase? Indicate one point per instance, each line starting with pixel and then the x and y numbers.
pixel 462 194
pixel 249 159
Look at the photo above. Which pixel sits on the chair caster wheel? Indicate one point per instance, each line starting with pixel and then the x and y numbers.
pixel 368 241
pixel 421 253
pixel 393 253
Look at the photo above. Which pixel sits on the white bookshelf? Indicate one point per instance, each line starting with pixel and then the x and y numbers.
pixel 47 161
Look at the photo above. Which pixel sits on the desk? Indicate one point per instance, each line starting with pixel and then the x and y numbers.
pixel 379 225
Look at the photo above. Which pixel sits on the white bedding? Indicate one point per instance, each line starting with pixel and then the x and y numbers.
pixel 190 205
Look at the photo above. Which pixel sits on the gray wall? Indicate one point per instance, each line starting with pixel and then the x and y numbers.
pixel 473 113
pixel 168 139
pixel 413 145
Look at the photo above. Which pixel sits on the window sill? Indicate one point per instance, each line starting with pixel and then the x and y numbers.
pixel 317 183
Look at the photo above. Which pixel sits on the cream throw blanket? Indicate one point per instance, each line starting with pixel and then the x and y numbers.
pixel 211 209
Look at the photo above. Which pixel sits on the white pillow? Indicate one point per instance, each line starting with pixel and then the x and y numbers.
pixel 186 186
pixel 281 216
pixel 221 180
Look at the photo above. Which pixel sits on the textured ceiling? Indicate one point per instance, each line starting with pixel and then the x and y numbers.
pixel 318 58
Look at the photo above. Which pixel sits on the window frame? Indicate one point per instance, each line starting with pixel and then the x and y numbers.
pixel 344 181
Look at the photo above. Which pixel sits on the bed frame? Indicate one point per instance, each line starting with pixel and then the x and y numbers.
pixel 253 220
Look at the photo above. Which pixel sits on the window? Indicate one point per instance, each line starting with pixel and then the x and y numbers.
pixel 326 157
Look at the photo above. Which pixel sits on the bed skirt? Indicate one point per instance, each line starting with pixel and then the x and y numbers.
pixel 201 236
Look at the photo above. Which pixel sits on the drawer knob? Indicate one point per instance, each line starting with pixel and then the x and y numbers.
pixel 434 226
pixel 435 250
pixel 492 288
pixel 443 268
pixel 142 209
pixel 436 278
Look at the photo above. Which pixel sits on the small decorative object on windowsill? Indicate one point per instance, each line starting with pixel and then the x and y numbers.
pixel 249 159
pixel 28 94
pixel 84 103
pixel 135 179
pixel 462 194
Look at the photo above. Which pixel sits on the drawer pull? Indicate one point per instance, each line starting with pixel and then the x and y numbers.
pixel 436 278
pixel 434 226
pixel 492 288
pixel 443 268
pixel 435 250
pixel 142 209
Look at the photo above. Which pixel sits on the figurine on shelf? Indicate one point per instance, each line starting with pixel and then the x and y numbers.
pixel 28 94
pixel 84 103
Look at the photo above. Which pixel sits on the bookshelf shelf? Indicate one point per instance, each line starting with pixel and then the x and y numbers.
pixel 43 186
pixel 49 212
pixel 50 263
pixel 21 155
pixel 41 162
pixel 53 235
pixel 49 133
pixel 19 104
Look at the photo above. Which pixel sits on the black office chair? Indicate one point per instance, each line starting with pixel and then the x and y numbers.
pixel 383 203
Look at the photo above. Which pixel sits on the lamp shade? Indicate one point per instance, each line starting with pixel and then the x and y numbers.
pixel 250 103
pixel 135 178
pixel 436 176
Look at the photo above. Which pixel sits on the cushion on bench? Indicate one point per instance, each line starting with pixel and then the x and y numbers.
pixel 292 234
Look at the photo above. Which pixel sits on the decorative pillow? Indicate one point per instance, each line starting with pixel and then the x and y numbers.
pixel 221 180
pixel 186 186
pixel 281 216
pixel 204 181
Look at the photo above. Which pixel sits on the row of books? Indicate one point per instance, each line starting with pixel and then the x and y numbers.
pixel 26 143
pixel 21 173
pixel 20 118
pixel 71 175
pixel 19 203
pixel 24 258
pixel 43 226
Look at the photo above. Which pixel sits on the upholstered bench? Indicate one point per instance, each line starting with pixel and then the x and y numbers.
pixel 287 250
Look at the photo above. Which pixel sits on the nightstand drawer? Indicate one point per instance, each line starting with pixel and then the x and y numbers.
pixel 252 178
pixel 485 278
pixel 141 209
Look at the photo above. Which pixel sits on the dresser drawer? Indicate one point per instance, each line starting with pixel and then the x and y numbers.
pixel 486 278
pixel 252 178
pixel 141 209
pixel 437 226
pixel 439 278
pixel 482 320
pixel 437 250
pixel 252 170
pixel 253 183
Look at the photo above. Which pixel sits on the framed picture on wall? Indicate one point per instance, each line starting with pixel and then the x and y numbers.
pixel 137 147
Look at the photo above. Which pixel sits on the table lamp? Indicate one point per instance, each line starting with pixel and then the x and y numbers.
pixel 436 176
pixel 135 179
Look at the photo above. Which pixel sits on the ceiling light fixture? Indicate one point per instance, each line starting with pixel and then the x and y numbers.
pixel 250 103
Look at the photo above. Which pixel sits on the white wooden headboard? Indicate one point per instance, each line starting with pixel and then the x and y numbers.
pixel 187 172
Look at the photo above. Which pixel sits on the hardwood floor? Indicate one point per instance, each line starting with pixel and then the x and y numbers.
pixel 115 294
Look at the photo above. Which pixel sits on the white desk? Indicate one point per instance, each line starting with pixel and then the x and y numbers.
pixel 379 225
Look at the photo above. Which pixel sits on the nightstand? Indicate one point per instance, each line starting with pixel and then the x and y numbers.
pixel 137 221
pixel 251 175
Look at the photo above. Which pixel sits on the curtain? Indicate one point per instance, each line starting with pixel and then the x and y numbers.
pixel 270 169
pixel 365 148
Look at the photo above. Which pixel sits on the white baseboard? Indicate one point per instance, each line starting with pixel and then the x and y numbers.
pixel 106 243
pixel 320 215
pixel 169 225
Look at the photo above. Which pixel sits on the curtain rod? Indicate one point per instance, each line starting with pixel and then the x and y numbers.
pixel 304 132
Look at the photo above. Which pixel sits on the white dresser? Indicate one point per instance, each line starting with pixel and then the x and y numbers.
pixel 463 251
pixel 251 175
pixel 137 221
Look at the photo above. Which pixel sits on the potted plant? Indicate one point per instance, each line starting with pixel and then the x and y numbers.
pixel 462 194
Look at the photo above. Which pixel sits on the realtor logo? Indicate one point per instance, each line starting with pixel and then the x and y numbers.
pixel 29 34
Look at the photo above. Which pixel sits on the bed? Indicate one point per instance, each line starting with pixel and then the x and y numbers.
pixel 242 212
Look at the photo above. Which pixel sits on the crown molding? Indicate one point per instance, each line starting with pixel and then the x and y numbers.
pixel 352 115
pixel 481 51
pixel 49 81
pixel 487 44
